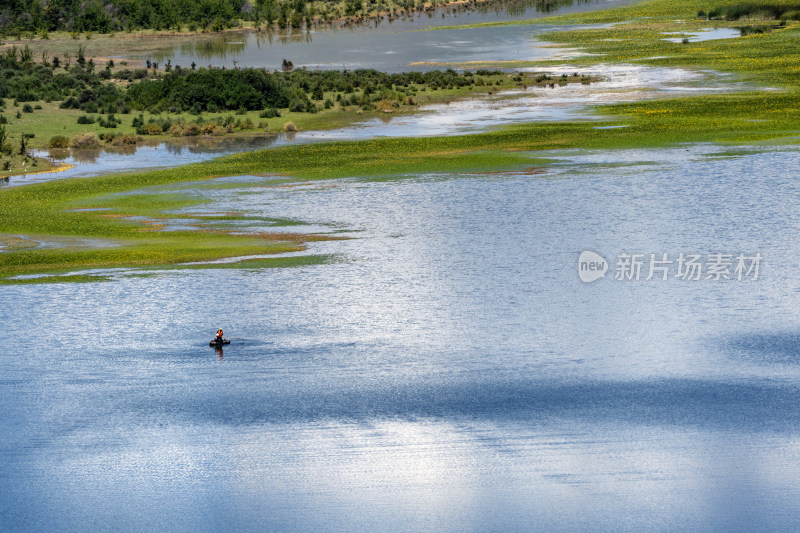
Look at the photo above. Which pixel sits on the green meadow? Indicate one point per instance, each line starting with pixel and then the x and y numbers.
pixel 99 210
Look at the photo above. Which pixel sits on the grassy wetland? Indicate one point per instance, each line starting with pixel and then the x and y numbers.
pixel 50 102
pixel 122 221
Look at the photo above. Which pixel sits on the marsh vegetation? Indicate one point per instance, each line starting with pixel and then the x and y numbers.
pixel 754 115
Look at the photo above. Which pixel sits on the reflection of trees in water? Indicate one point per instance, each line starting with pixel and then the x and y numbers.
pixel 214 48
pixel 514 8
pixel 86 156
pixel 171 150
pixel 283 38
pixel 221 47
pixel 211 145
pixel 206 148
pixel 204 48
pixel 174 149
pixel 214 146
pixel 127 149
pixel 520 7
pixel 58 154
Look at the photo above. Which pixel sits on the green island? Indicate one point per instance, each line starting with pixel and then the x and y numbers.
pixel 122 220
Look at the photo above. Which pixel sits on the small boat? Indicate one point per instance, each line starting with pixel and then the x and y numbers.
pixel 219 342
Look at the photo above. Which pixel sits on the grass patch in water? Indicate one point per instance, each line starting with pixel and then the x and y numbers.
pixel 169 248
pixel 71 278
pixel 261 262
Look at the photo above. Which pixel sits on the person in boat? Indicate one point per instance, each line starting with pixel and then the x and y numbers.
pixel 219 335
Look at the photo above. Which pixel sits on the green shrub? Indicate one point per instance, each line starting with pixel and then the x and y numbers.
pixel 59 141
pixel 152 129
pixel 85 140
pixel 109 122
pixel 269 113
pixel 125 139
pixel 176 130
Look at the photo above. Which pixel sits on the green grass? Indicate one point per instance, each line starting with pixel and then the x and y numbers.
pixel 71 278
pixel 62 276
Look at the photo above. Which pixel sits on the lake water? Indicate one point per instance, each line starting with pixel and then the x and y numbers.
pixel 450 372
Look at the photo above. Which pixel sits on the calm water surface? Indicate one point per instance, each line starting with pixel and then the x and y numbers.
pixel 390 47
pixel 451 372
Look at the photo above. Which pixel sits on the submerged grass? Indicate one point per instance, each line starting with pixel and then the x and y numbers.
pixel 71 278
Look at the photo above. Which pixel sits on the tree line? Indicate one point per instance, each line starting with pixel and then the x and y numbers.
pixel 104 16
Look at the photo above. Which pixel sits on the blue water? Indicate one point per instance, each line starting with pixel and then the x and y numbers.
pixel 450 372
